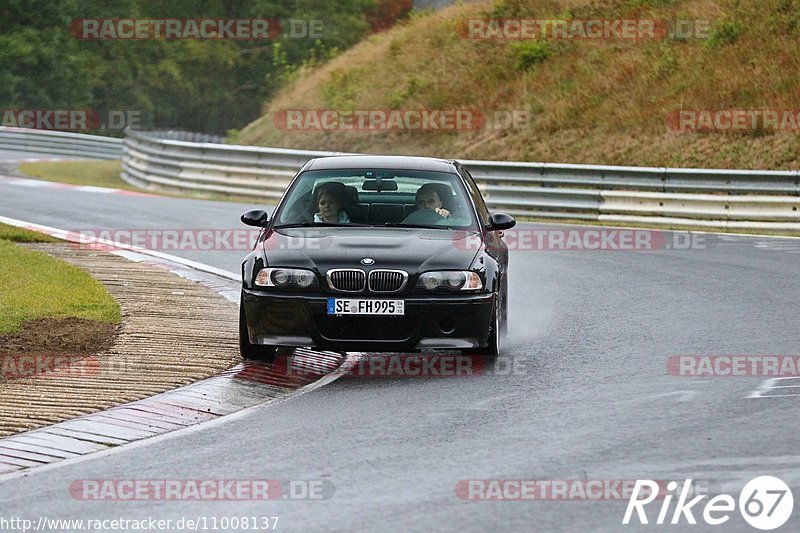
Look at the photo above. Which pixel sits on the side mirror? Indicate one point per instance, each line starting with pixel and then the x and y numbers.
pixel 256 217
pixel 500 221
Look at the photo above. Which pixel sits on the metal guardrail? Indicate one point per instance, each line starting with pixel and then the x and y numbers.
pixel 704 199
pixel 151 161
pixel 60 144
pixel 185 135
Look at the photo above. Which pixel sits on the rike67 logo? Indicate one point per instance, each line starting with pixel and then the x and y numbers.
pixel 765 503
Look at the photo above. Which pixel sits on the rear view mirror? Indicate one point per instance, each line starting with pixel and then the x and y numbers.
pixel 256 217
pixel 379 185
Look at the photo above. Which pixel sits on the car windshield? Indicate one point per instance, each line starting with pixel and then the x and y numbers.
pixel 375 197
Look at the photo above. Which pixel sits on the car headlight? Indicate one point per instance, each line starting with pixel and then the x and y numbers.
pixel 286 278
pixel 454 280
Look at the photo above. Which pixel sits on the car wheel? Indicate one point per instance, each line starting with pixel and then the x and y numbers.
pixel 494 344
pixel 248 351
pixel 504 316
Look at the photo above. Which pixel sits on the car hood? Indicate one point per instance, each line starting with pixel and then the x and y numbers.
pixel 413 250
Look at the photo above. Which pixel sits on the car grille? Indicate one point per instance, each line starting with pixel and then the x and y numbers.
pixel 387 280
pixel 346 280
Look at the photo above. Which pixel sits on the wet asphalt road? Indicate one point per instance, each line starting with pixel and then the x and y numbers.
pixel 590 333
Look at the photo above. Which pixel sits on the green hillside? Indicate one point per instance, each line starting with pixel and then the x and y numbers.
pixel 605 101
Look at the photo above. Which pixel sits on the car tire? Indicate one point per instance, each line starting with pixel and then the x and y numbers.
pixel 504 315
pixel 248 351
pixel 494 344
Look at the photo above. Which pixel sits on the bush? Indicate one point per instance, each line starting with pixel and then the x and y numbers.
pixel 384 14
pixel 529 53
pixel 725 33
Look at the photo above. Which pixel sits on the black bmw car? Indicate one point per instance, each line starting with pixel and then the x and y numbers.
pixel 376 253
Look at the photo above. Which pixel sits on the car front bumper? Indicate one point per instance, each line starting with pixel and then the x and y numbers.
pixel 430 322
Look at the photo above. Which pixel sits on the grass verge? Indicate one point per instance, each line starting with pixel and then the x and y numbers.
pixel 15 234
pixel 34 285
pixel 94 173
pixel 107 174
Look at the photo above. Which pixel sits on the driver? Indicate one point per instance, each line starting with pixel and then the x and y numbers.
pixel 428 198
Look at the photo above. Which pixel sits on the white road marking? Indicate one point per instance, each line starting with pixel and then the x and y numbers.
pixel 102 190
pixel 777 384
pixel 121 248
pixel 685 395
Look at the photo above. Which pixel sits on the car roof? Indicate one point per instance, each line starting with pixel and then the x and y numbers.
pixel 380 161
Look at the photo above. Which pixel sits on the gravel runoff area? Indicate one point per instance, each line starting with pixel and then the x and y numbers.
pixel 173 332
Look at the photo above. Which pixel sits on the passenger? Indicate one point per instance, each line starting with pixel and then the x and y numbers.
pixel 428 198
pixel 330 200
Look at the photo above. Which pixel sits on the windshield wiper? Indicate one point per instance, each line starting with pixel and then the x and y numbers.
pixel 321 225
pixel 424 226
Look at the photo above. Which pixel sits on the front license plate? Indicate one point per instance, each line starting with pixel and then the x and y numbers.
pixel 346 306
